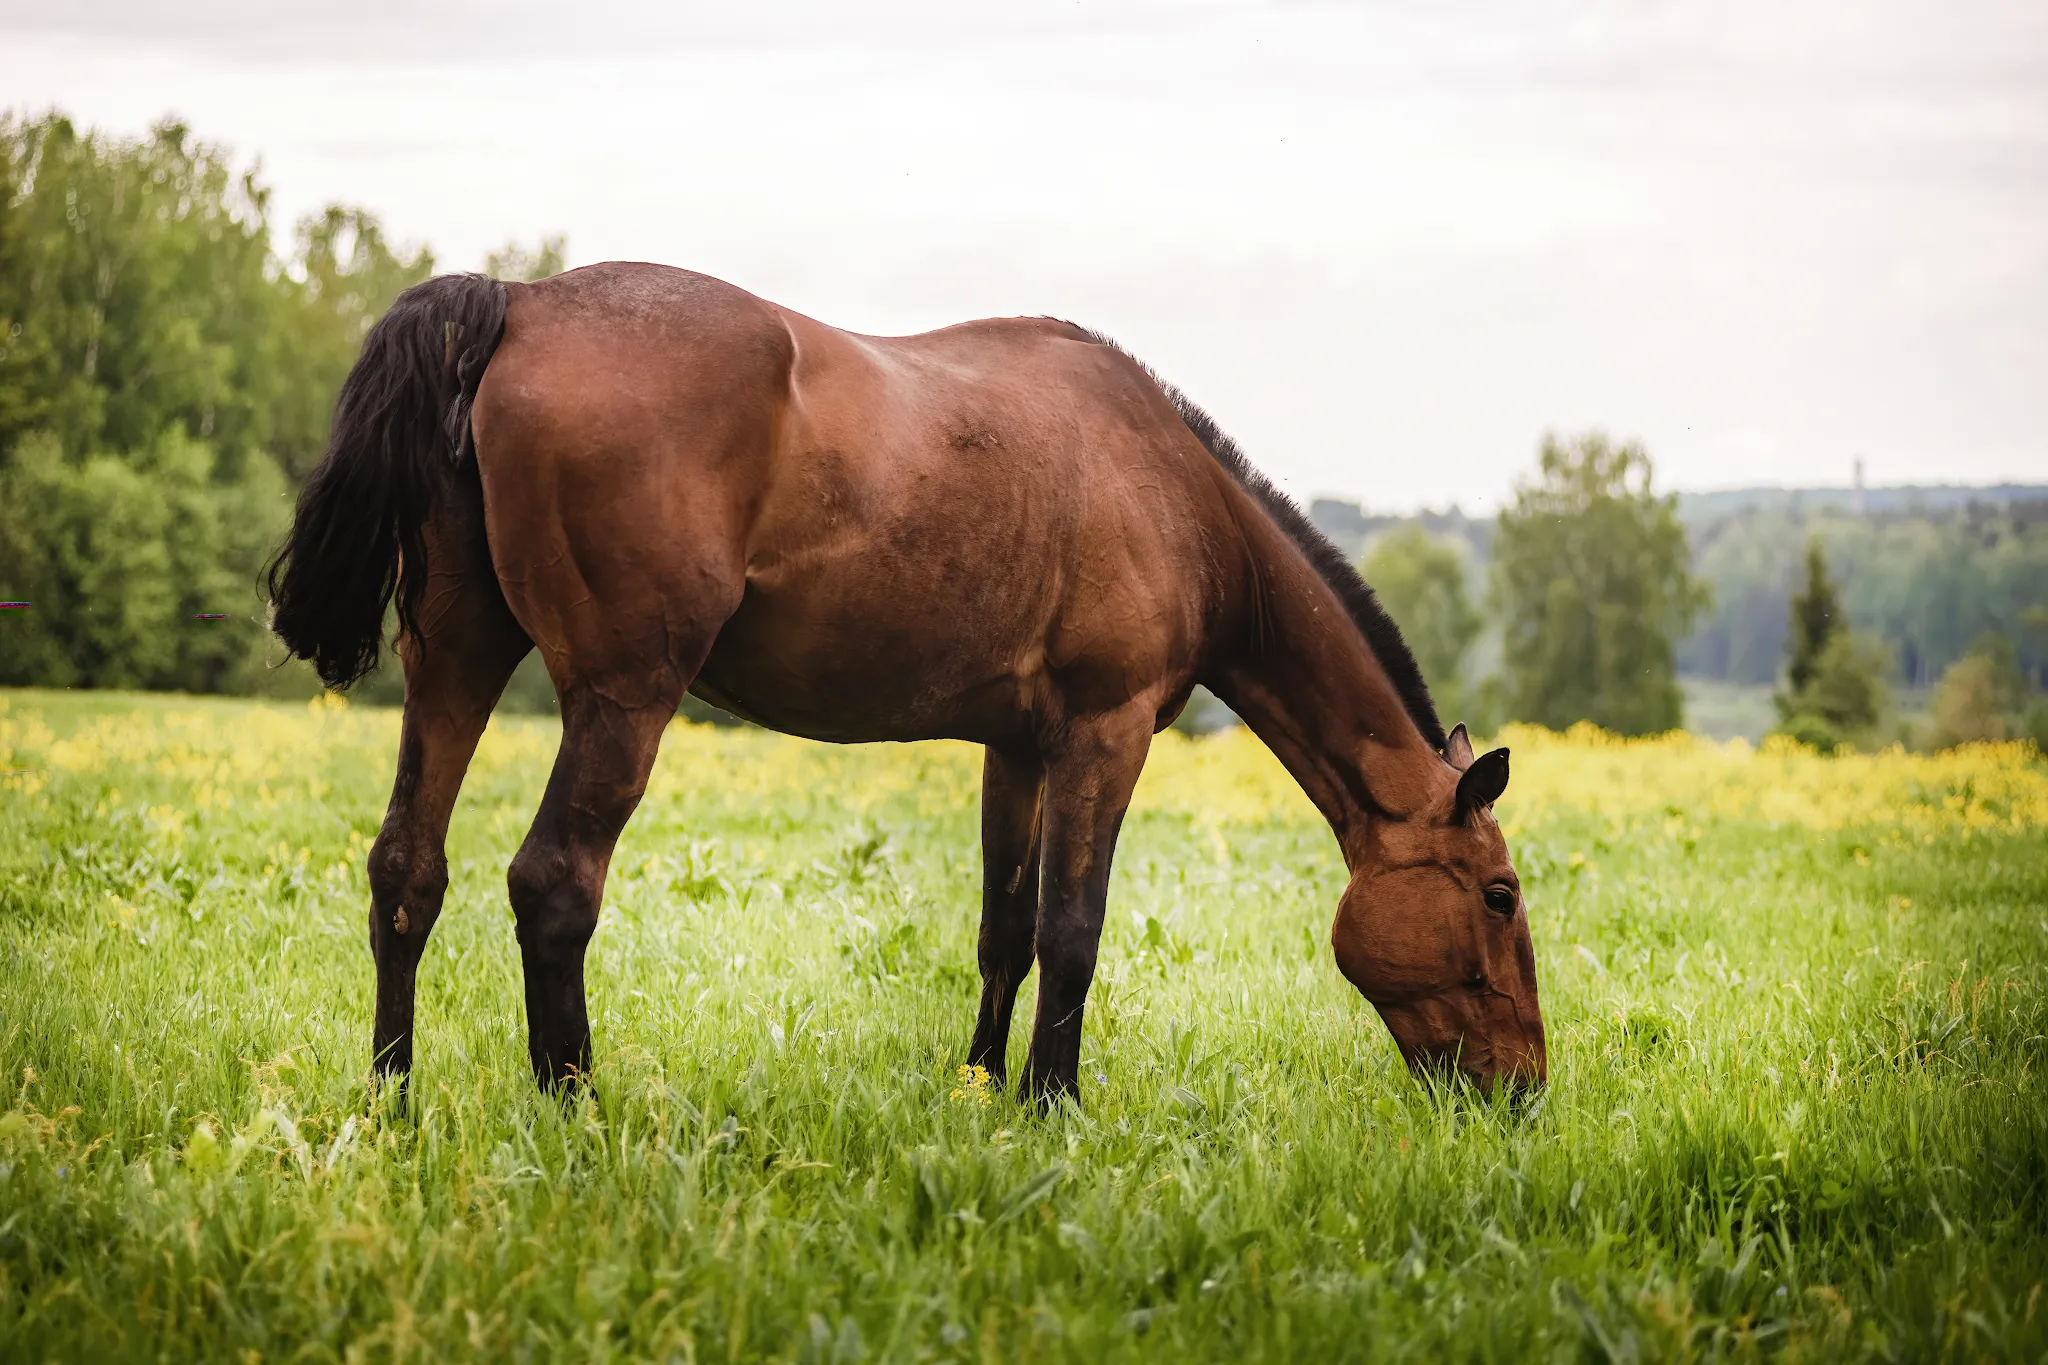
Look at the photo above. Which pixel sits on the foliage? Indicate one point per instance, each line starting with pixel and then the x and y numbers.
pixel 1980 695
pixel 1421 581
pixel 1847 692
pixel 517 261
pixel 1796 1012
pixel 165 379
pixel 1925 570
pixel 350 276
pixel 1353 529
pixel 1816 617
pixel 122 556
pixel 1814 731
pixel 133 291
pixel 1835 691
pixel 2034 725
pixel 1927 581
pixel 1591 585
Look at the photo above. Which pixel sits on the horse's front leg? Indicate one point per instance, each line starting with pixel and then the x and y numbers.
pixel 1012 783
pixel 1089 779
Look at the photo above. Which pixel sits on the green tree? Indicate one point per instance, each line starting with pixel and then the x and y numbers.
pixel 1835 690
pixel 517 261
pixel 1845 696
pixel 346 274
pixel 163 376
pixel 1816 617
pixel 1979 696
pixel 1421 581
pixel 1929 580
pixel 133 289
pixel 122 555
pixel 1591 582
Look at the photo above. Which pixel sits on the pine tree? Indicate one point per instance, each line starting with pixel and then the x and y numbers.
pixel 1816 616
pixel 1835 688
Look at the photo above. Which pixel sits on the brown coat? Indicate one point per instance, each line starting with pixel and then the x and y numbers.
pixel 1008 532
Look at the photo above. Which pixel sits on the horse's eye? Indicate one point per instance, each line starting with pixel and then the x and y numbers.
pixel 1500 900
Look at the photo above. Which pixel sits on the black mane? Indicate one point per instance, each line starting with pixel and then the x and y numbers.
pixel 1382 636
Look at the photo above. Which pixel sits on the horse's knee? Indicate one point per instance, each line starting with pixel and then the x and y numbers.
pixel 406 889
pixel 388 867
pixel 553 909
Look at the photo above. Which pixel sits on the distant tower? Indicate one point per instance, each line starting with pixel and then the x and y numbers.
pixel 1857 502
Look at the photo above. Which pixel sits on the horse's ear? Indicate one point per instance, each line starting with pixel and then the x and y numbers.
pixel 1458 748
pixel 1483 782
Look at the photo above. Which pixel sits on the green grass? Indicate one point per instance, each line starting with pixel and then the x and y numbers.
pixel 1796 1106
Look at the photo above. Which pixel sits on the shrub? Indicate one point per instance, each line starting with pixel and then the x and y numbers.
pixel 1815 732
pixel 1979 695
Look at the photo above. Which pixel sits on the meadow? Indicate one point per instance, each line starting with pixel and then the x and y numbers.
pixel 1797 1007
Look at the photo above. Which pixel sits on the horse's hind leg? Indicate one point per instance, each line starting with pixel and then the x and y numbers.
pixel 615 479
pixel 1011 786
pixel 557 879
pixel 621 669
pixel 455 668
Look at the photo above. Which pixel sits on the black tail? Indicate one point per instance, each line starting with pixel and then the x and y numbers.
pixel 401 427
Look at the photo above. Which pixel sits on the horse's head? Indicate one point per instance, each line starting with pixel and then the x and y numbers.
pixel 1432 931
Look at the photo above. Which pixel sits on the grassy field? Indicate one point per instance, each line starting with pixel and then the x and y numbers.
pixel 1797 1010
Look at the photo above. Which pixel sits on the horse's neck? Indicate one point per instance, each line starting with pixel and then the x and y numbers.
pixel 1304 679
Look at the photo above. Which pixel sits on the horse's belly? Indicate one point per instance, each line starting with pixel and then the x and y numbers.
pixel 849 672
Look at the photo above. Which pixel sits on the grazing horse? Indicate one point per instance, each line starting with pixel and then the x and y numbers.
pixel 1008 532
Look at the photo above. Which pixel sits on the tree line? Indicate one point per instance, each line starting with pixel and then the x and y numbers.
pixel 1928 581
pixel 167 369
pixel 1928 571
pixel 1591 585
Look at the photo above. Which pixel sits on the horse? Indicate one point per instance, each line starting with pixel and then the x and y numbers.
pixel 1008 532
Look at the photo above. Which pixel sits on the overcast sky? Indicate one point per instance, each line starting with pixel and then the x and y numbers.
pixel 1387 246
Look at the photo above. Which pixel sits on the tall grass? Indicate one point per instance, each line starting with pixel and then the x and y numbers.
pixel 1796 1008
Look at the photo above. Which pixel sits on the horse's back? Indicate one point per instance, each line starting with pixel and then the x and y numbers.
pixel 947 533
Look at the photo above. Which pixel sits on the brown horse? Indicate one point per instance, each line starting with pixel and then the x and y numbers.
pixel 1008 532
